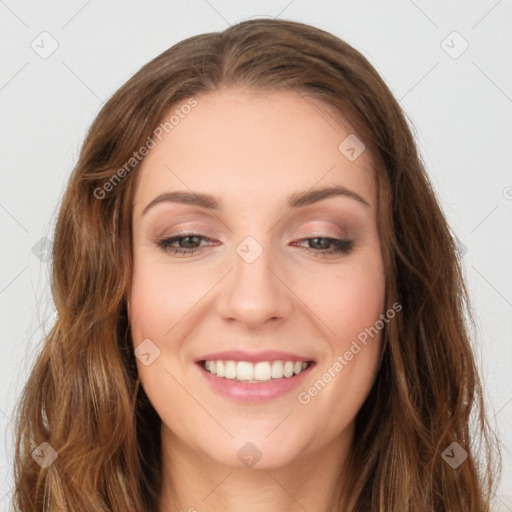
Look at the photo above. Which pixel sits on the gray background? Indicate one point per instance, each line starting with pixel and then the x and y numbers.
pixel 459 104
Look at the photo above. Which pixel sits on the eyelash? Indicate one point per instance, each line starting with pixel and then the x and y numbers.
pixel 341 245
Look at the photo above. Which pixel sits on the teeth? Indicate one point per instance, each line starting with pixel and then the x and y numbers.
pixel 259 372
pixel 230 370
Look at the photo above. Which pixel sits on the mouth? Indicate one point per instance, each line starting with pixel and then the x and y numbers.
pixel 260 372
pixel 254 383
pixel 254 377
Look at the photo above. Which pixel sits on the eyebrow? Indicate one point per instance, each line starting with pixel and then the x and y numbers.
pixel 296 200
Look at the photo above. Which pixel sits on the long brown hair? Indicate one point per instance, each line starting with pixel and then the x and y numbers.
pixel 83 398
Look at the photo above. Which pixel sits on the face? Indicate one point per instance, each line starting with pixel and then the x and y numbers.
pixel 276 277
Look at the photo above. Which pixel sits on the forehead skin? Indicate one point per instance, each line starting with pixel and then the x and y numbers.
pixel 229 146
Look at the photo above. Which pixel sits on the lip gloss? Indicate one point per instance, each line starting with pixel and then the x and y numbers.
pixel 246 392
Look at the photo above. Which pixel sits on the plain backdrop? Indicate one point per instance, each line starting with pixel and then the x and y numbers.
pixel 448 63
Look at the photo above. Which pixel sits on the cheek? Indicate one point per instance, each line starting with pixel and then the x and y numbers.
pixel 352 304
pixel 360 303
pixel 350 300
pixel 352 310
pixel 151 301
pixel 146 301
pixel 159 298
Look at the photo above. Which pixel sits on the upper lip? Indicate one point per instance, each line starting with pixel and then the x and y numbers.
pixel 252 357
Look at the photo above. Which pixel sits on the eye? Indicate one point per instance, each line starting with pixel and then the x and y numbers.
pixel 320 245
pixel 189 243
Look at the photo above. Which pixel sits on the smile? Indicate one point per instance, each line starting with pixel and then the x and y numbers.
pixel 253 383
pixel 263 371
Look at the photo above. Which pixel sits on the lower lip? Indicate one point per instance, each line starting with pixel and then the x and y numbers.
pixel 253 393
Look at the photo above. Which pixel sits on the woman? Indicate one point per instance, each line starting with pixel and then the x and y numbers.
pixel 259 301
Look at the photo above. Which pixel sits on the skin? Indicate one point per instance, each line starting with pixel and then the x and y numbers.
pixel 252 151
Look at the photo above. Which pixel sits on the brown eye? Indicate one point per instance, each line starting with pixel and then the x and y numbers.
pixel 187 243
pixel 321 245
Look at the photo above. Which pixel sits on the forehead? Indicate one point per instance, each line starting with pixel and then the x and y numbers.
pixel 252 148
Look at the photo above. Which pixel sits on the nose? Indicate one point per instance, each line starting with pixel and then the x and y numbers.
pixel 255 292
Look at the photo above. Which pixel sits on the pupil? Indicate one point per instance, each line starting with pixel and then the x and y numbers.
pixel 323 244
pixel 188 238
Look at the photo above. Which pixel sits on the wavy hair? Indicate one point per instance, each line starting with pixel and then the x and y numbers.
pixel 83 396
